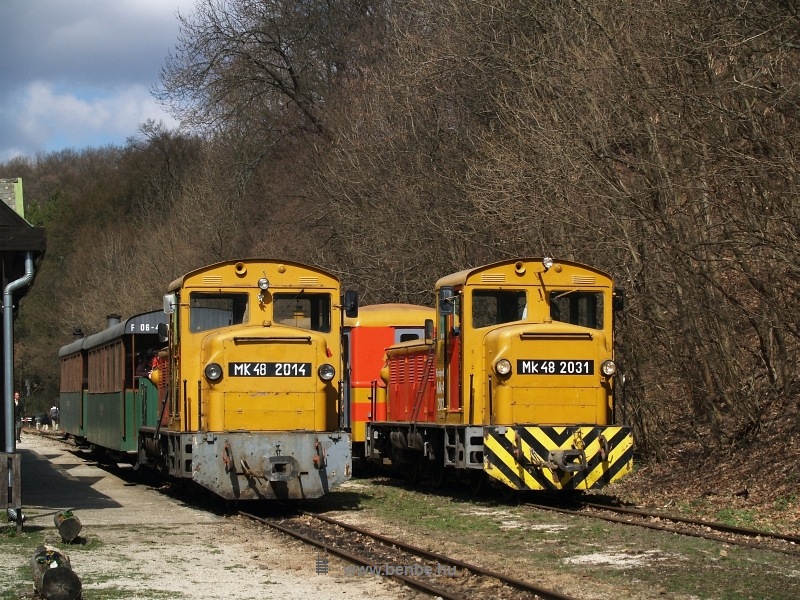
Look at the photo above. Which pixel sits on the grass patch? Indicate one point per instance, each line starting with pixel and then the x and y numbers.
pixel 14 582
pixel 736 518
pixel 786 504
pixel 614 560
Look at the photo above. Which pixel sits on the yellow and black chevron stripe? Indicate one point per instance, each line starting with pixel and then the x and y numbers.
pixel 518 456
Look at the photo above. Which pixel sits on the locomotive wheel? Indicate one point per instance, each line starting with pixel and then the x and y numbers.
pixel 438 478
pixel 509 494
pixel 477 482
pixel 436 475
pixel 413 472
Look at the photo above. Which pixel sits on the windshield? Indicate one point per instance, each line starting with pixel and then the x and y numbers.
pixel 212 311
pixel 309 311
pixel 494 307
pixel 578 308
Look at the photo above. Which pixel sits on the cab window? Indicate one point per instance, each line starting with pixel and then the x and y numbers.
pixel 309 311
pixel 578 308
pixel 212 311
pixel 494 307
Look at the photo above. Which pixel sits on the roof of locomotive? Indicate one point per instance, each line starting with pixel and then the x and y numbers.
pixel 262 263
pixel 390 314
pixel 521 265
pixel 143 323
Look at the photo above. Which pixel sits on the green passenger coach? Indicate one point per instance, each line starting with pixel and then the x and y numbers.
pixel 105 393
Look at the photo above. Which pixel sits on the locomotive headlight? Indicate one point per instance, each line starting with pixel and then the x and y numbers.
pixel 609 368
pixel 326 372
pixel 502 367
pixel 213 372
pixel 263 284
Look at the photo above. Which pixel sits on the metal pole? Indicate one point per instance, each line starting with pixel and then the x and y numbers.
pixel 8 350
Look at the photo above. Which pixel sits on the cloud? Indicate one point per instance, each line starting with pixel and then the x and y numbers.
pixel 78 73
pixel 45 116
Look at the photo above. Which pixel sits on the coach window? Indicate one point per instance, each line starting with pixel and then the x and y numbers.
pixel 71 374
pixel 212 311
pixel 494 307
pixel 308 311
pixel 578 308
pixel 107 368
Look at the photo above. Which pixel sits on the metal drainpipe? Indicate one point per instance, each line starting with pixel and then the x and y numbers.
pixel 8 350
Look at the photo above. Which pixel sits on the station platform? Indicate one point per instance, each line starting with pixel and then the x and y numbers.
pixel 138 542
pixel 55 477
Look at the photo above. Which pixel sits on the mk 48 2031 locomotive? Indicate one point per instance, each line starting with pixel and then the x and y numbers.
pixel 513 386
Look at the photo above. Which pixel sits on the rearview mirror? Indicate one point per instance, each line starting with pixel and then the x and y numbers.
pixel 170 302
pixel 351 304
pixel 446 300
pixel 428 330
pixel 618 303
pixel 163 333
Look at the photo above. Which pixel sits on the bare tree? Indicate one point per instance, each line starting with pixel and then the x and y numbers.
pixel 651 140
pixel 266 66
pixel 399 142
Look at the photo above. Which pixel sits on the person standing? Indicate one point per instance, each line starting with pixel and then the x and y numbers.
pixel 18 413
pixel 54 417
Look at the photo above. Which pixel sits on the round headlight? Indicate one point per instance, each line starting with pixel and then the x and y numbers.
pixel 547 262
pixel 609 368
pixel 326 372
pixel 263 284
pixel 502 366
pixel 213 371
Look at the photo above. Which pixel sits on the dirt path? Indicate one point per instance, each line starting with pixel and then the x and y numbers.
pixel 139 543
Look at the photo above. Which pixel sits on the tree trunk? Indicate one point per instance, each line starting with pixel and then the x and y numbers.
pixel 53 577
pixel 68 525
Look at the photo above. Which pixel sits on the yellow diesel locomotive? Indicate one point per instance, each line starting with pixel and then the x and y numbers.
pixel 247 389
pixel 514 385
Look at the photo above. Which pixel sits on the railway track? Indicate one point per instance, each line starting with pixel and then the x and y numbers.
pixel 611 512
pixel 429 572
pixel 719 532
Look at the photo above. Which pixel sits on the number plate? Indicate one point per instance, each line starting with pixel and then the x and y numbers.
pixel 536 366
pixel 269 369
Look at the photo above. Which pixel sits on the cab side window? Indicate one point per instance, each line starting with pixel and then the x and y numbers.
pixel 212 311
pixel 495 307
pixel 577 308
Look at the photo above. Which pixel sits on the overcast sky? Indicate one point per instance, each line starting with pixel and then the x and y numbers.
pixel 78 73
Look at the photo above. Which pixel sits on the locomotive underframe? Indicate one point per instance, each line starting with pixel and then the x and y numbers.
pixel 521 457
pixel 244 465
pixel 425 449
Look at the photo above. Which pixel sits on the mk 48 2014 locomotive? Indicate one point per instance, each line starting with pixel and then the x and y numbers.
pixel 234 385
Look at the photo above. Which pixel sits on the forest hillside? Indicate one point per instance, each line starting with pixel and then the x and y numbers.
pixel 396 142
